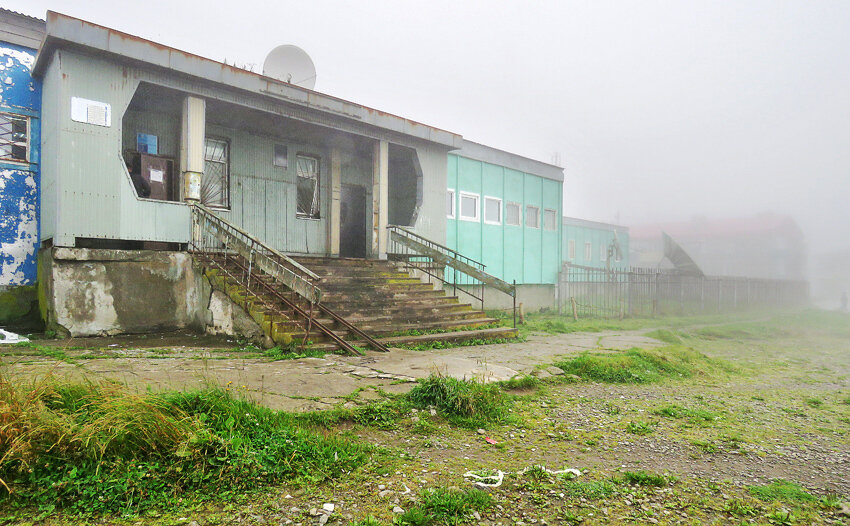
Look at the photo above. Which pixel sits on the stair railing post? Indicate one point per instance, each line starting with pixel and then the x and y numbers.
pixel 514 304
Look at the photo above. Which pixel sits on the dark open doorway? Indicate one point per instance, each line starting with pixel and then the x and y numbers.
pixel 352 222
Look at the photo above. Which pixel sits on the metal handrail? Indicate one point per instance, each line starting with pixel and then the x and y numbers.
pixel 211 233
pixel 441 248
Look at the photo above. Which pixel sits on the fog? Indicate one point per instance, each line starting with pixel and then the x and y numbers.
pixel 658 111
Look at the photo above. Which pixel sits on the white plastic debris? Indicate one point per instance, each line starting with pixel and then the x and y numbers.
pixel 486 481
pixel 11 337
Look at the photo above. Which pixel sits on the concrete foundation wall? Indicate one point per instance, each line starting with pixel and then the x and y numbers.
pixel 86 292
pixel 533 298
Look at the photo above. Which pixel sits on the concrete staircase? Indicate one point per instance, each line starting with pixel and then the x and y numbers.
pixel 377 297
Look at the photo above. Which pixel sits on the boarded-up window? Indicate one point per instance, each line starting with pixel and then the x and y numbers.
pixel 308 187
pixel 215 186
pixel 14 138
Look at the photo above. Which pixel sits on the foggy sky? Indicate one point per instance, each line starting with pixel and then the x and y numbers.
pixel 657 110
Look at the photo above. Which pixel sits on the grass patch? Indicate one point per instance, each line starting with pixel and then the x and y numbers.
pixel 519 383
pixel 466 403
pixel 783 491
pixel 97 448
pixel 645 478
pixel 640 428
pixel 639 366
pixel 597 489
pixel 815 403
pixel 445 506
pixel 665 336
pixel 695 416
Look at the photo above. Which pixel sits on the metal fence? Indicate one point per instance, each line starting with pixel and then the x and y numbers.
pixel 587 291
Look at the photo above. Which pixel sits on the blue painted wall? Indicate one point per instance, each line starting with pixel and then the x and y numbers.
pixel 20 95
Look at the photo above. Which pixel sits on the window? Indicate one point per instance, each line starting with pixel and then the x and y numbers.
pixel 493 210
pixel 512 214
pixel 532 216
pixel 308 187
pixel 571 249
pixel 14 138
pixel 450 204
pixel 215 188
pixel 603 252
pixel 281 156
pixel 550 219
pixel 468 206
pixel 588 251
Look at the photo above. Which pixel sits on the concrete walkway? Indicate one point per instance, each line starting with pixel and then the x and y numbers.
pixel 321 383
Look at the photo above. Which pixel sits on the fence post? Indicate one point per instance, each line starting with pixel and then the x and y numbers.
pixel 655 297
pixel 514 304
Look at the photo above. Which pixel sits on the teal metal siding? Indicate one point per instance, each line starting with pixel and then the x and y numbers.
pixel 599 236
pixel 527 255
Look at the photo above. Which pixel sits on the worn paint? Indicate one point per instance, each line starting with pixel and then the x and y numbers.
pixel 20 95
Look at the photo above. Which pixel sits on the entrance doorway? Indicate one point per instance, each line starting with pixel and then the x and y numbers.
pixel 352 222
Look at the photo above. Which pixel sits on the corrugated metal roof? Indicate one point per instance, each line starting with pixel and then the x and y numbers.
pixel 63 30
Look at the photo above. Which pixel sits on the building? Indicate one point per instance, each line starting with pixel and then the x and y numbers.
pixel 20 103
pixel 503 210
pixel 595 244
pixel 766 246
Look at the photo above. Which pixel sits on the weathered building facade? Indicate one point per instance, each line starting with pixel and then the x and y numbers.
pixel 20 102
pixel 595 244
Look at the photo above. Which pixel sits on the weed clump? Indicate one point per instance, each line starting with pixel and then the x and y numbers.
pixel 640 366
pixel 781 490
pixel 645 478
pixel 97 448
pixel 466 403
pixel 445 506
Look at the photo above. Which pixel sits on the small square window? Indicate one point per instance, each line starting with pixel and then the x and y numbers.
pixel 571 249
pixel 532 216
pixel 550 219
pixel 493 210
pixel 512 214
pixel 450 204
pixel 588 251
pixel 469 206
pixel 281 156
pixel 14 138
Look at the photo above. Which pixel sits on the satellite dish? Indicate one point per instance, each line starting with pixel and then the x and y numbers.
pixel 290 64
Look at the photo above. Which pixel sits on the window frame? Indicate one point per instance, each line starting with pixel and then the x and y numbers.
pixel 537 209
pixel 603 252
pixel 571 249
pixel 519 213
pixel 554 214
pixel 452 214
pixel 12 143
pixel 285 147
pixel 226 186
pixel 588 251
pixel 317 192
pixel 498 200
pixel 477 217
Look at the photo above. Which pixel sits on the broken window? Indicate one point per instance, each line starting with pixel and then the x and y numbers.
pixel 14 138
pixel 308 187
pixel 215 186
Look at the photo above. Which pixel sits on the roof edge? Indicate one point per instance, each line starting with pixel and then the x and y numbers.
pixel 488 154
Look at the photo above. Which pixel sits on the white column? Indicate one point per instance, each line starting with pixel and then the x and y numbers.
pixel 380 198
pixel 193 132
pixel 336 191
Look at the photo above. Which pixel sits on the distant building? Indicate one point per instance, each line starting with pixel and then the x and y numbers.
pixel 593 244
pixel 768 245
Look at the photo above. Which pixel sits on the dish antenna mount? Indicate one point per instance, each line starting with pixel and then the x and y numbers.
pixel 290 64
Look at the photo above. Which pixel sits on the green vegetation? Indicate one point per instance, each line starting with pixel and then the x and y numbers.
pixel 665 336
pixel 645 478
pixel 639 366
pixel 781 490
pixel 695 416
pixel 445 506
pixel 466 403
pixel 97 448
pixel 598 489
pixel 640 428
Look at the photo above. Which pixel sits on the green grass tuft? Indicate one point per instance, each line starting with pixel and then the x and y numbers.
pixel 445 506
pixel 645 478
pixel 781 490
pixel 665 336
pixel 466 403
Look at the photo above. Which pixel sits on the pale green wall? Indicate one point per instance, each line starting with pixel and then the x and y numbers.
pixel 598 235
pixel 527 255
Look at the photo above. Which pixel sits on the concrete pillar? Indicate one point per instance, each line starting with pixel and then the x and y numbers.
pixel 193 132
pixel 336 191
pixel 380 198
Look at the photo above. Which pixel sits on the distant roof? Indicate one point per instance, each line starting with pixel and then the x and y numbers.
pixel 728 227
pixel 64 31
pixel 488 154
pixel 20 29
pixel 574 221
